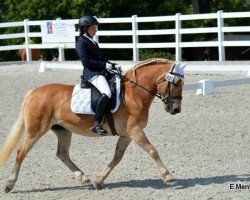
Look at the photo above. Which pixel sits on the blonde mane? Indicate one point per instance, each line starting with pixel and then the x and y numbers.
pixel 149 62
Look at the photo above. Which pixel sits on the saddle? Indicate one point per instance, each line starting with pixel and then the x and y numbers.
pixel 114 84
pixel 85 98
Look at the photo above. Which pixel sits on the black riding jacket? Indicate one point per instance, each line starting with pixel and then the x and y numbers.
pixel 90 55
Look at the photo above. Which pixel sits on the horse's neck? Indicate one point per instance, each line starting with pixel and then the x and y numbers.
pixel 146 77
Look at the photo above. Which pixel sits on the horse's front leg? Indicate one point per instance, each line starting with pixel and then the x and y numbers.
pixel 139 137
pixel 121 146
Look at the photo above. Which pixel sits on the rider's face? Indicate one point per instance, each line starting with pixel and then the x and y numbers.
pixel 92 30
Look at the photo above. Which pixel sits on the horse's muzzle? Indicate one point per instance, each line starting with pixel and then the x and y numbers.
pixel 175 111
pixel 172 110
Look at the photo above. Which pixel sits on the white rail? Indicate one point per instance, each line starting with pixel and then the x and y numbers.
pixel 135 33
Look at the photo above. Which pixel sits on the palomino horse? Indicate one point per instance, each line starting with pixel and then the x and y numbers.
pixel 48 107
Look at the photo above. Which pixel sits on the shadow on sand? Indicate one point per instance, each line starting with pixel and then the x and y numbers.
pixel 156 183
pixel 180 183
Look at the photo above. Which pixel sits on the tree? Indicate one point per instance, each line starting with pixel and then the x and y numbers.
pixel 228 5
pixel 18 10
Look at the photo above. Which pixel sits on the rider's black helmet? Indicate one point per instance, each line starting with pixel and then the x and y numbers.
pixel 86 21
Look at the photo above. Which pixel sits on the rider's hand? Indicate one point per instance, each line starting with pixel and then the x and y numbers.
pixel 109 66
pixel 116 67
pixel 113 66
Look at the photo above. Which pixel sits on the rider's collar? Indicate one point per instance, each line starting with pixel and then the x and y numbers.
pixel 91 39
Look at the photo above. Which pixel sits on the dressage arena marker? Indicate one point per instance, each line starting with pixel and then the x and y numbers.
pixel 207 87
pixel 204 87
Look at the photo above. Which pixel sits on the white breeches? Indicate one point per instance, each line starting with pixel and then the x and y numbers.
pixel 101 83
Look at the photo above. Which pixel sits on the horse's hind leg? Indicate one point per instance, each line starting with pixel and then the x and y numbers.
pixel 22 151
pixel 121 147
pixel 64 141
pixel 36 125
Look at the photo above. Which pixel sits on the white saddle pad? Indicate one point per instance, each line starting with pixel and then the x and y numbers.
pixel 81 99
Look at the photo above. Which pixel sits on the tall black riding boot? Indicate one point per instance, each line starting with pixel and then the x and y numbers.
pixel 100 111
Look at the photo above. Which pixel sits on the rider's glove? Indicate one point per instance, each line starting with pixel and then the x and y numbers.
pixel 109 66
pixel 116 67
pixel 113 66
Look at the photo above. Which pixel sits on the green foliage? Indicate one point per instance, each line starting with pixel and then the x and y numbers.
pixel 228 5
pixel 18 10
pixel 147 54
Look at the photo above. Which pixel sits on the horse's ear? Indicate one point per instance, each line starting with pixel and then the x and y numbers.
pixel 182 66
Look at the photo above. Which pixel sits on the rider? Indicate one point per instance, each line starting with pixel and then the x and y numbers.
pixel 94 67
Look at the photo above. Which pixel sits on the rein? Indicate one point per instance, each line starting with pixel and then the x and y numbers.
pixel 156 95
pixel 123 77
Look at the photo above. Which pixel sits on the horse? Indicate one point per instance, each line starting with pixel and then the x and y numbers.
pixel 48 108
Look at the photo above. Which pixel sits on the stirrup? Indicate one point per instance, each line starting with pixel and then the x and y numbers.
pixel 97 128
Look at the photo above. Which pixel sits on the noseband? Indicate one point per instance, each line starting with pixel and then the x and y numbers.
pixel 170 99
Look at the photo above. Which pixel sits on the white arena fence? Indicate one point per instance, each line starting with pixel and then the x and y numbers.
pixel 178 31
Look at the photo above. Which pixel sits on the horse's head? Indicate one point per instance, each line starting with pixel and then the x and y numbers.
pixel 169 86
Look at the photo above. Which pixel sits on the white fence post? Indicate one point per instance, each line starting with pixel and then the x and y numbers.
pixel 221 48
pixel 177 37
pixel 61 54
pixel 27 40
pixel 135 38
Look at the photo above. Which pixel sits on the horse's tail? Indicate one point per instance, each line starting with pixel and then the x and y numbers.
pixel 14 135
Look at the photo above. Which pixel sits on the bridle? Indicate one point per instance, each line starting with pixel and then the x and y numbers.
pixel 168 98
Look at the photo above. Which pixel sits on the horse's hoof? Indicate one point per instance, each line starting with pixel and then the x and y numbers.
pixel 169 179
pixel 7 189
pixel 98 186
pixel 87 183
